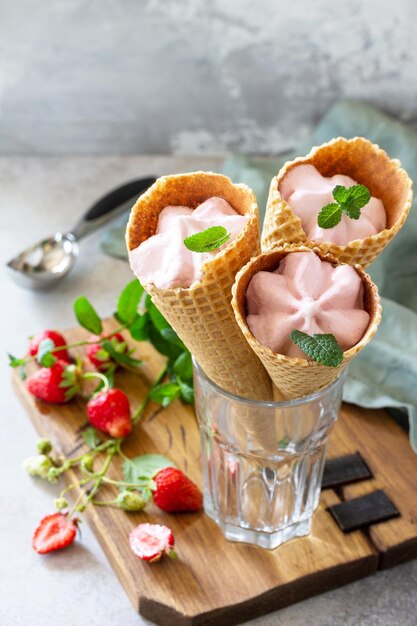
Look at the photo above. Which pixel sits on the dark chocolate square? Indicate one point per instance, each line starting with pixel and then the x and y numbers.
pixel 344 470
pixel 364 511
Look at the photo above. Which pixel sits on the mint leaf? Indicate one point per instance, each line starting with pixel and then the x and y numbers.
pixel 128 302
pixel 157 319
pixel 207 240
pixel 340 193
pixel 171 336
pixel 90 437
pixel 87 316
pixel 349 200
pixel 143 468
pixel 139 330
pixel 45 356
pixel 165 394
pixel 330 215
pixel 187 391
pixel 183 366
pixel 357 196
pixel 321 348
pixel 162 345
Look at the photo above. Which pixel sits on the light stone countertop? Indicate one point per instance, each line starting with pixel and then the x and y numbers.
pixel 37 197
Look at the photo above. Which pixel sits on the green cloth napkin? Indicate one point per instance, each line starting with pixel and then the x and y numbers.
pixel 385 372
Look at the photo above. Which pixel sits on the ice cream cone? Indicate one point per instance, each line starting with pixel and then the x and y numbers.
pixel 297 377
pixel 366 163
pixel 202 314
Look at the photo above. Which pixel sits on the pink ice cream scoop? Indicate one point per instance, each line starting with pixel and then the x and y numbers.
pixel 306 294
pixel 164 261
pixel 307 192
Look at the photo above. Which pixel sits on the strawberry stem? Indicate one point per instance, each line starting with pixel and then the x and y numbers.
pixel 101 377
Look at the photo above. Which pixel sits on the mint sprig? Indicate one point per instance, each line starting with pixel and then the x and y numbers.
pixel 349 200
pixel 207 240
pixel 321 348
pixel 87 316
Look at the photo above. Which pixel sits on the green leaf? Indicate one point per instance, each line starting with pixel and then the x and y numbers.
pixel 357 197
pixel 187 391
pixel 14 361
pixel 90 437
pixel 207 240
pixel 139 330
pixel 321 348
pixel 171 336
pixel 157 319
pixel 165 394
pixel 122 358
pixel 87 316
pixel 340 194
pixel 164 347
pixel 183 366
pixel 128 302
pixel 330 215
pixel 45 356
pixel 143 468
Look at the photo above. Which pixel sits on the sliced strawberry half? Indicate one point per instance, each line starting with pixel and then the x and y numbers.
pixel 150 542
pixel 55 531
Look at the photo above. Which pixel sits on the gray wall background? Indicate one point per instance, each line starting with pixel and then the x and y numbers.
pixel 189 76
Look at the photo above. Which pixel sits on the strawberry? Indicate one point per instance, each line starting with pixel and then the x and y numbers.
pixel 174 492
pixel 55 531
pixel 56 384
pixel 109 411
pixel 58 340
pixel 98 356
pixel 150 541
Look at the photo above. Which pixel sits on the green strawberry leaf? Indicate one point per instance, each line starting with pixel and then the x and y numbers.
pixel 45 356
pixel 90 437
pixel 321 348
pixel 128 302
pixel 207 240
pixel 143 468
pixel 120 357
pixel 87 316
pixel 165 394
pixel 183 366
pixel 14 361
pixel 330 215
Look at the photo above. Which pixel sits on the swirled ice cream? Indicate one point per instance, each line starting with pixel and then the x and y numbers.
pixel 307 192
pixel 308 294
pixel 164 261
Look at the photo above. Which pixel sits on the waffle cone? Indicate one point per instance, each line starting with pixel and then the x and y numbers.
pixel 296 377
pixel 202 314
pixel 366 163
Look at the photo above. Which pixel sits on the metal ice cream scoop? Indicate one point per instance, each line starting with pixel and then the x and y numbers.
pixel 46 262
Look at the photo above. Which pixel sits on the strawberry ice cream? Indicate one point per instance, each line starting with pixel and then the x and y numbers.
pixel 307 294
pixel 307 192
pixel 164 261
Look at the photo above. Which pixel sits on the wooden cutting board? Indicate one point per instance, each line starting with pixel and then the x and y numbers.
pixel 217 582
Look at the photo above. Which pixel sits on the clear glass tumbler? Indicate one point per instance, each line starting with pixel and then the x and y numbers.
pixel 263 461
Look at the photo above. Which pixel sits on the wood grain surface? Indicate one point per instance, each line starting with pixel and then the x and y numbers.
pixel 214 581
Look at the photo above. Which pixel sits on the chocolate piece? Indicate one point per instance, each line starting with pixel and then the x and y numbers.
pixel 343 470
pixel 363 511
